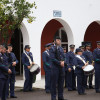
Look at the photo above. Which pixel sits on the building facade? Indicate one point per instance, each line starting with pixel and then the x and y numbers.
pixel 74 21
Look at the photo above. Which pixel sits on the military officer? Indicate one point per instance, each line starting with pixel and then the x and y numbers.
pixel 64 49
pixel 12 64
pixel 89 58
pixel 80 63
pixel 96 56
pixel 4 71
pixel 27 65
pixel 82 48
pixel 70 70
pixel 57 69
pixel 47 67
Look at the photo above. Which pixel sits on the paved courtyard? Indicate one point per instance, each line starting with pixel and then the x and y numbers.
pixel 39 94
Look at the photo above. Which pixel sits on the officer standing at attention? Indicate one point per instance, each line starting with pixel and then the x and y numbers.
pixel 89 58
pixel 80 63
pixel 96 56
pixel 57 71
pixel 70 70
pixel 64 49
pixel 28 75
pixel 4 72
pixel 12 64
pixel 47 67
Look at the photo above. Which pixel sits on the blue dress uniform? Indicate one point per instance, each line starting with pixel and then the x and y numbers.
pixel 66 83
pixel 11 79
pixel 96 55
pixel 57 72
pixel 47 69
pixel 71 84
pixel 79 73
pixel 28 75
pixel 89 58
pixel 3 76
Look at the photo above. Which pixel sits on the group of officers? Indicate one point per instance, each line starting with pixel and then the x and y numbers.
pixel 58 67
pixel 8 62
pixel 61 66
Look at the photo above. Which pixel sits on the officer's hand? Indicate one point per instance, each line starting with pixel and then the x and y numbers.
pixel 86 64
pixel 29 67
pixel 9 71
pixel 69 69
pixel 62 63
pixel 83 67
pixel 33 63
pixel 14 64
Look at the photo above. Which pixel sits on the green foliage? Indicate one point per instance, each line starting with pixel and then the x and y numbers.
pixel 12 13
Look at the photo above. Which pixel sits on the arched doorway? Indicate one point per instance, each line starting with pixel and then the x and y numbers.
pixel 92 33
pixel 19 39
pixel 17 43
pixel 56 27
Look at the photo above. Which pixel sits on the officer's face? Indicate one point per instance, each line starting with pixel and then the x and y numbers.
pixel 88 48
pixel 80 53
pixel 83 49
pixel 58 42
pixel 98 45
pixel 28 49
pixel 64 50
pixel 4 50
pixel 49 47
pixel 72 49
pixel 10 48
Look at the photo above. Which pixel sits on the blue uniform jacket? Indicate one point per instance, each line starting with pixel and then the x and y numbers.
pixel 56 55
pixel 25 60
pixel 46 60
pixel 88 56
pixel 69 59
pixel 3 66
pixel 96 57
pixel 78 64
pixel 12 59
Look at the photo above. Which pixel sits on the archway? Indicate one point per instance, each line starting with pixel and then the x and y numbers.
pixel 19 39
pixel 53 28
pixel 92 33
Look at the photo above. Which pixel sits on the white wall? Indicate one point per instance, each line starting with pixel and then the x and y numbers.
pixel 77 14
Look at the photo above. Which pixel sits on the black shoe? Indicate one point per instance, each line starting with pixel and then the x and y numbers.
pixel 13 96
pixel 31 90
pixel 25 90
pixel 82 93
pixel 74 89
pixel 62 99
pixel 47 91
pixel 70 90
pixel 87 87
pixel 98 91
pixel 91 87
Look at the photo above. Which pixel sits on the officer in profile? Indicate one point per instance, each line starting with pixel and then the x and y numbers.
pixel 80 63
pixel 57 69
pixel 12 64
pixel 96 56
pixel 47 67
pixel 26 62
